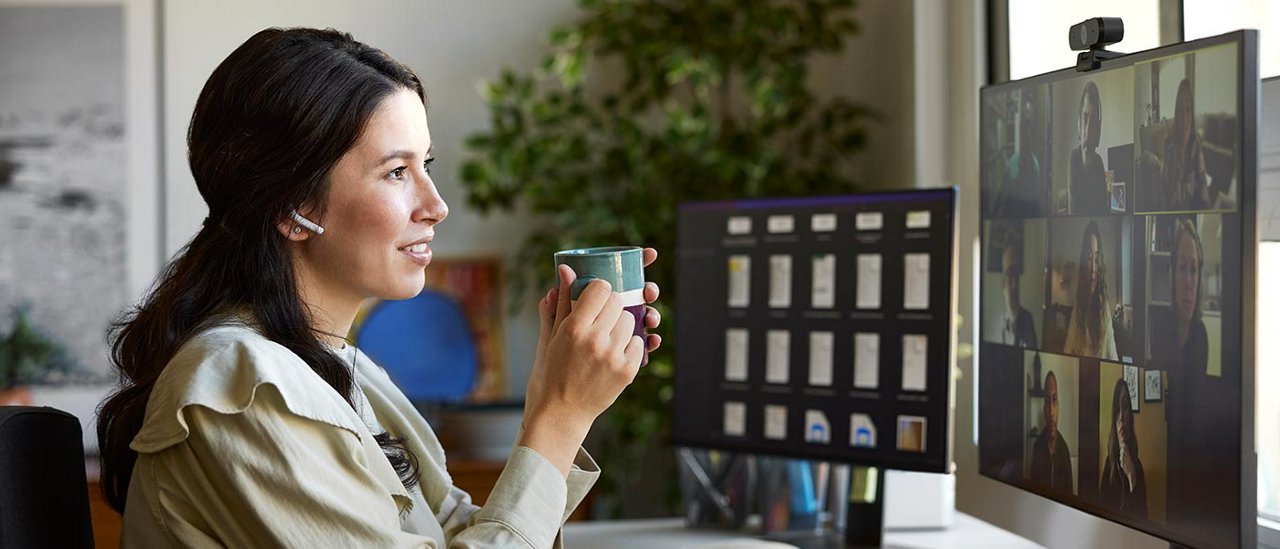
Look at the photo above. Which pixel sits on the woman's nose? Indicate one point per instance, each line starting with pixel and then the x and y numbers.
pixel 433 206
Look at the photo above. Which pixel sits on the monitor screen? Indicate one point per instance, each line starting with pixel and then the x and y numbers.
pixel 1118 245
pixel 818 327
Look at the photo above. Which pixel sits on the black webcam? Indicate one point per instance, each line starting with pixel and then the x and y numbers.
pixel 1091 37
pixel 1096 33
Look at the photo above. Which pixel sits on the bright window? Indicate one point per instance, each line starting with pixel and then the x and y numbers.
pixel 1203 18
pixel 1268 418
pixel 1038 31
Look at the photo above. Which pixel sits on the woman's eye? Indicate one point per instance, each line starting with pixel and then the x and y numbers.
pixel 426 164
pixel 397 173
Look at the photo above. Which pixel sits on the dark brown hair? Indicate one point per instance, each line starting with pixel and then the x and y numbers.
pixel 270 124
pixel 1121 402
pixel 1090 310
pixel 1186 228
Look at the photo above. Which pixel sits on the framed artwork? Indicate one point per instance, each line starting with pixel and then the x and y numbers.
pixel 1133 379
pixel 79 184
pixel 1152 391
pixel 475 284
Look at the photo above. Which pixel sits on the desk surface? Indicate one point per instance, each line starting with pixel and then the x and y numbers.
pixel 966 532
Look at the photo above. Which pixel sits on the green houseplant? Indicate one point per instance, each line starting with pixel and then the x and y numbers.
pixel 26 356
pixel 642 105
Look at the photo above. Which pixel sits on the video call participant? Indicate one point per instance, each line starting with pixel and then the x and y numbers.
pixel 1185 347
pixel 1186 185
pixel 1196 400
pixel 1022 183
pixel 1086 175
pixel 1051 457
pixel 1124 483
pixel 1090 330
pixel 1017 327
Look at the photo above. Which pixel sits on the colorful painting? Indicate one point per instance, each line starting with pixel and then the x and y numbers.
pixel 476 285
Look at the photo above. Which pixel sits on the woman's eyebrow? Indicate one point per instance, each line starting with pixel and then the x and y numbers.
pixel 404 154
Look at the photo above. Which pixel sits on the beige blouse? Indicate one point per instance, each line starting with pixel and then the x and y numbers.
pixel 243 445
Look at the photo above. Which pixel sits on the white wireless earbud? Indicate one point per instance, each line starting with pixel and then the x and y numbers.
pixel 309 224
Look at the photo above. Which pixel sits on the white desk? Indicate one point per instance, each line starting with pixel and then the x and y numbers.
pixel 966 532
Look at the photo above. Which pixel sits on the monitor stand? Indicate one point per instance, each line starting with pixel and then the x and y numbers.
pixel 864 517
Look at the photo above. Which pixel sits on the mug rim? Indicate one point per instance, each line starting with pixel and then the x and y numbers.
pixel 599 250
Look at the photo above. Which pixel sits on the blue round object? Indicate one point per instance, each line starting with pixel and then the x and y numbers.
pixel 425 345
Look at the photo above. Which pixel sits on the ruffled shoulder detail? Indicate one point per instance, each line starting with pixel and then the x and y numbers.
pixel 221 369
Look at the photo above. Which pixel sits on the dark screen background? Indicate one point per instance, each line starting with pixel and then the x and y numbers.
pixel 704 249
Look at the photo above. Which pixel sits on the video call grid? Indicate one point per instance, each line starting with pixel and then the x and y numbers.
pixel 1160 221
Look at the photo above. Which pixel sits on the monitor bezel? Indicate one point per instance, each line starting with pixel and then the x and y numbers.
pixel 1248 98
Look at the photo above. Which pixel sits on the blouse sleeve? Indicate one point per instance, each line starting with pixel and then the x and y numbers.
pixel 527 507
pixel 266 477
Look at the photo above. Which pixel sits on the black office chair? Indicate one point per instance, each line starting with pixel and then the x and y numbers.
pixel 44 498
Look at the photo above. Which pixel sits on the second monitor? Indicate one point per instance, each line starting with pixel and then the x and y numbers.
pixel 818 328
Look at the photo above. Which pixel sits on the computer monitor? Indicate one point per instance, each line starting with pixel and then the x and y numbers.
pixel 1119 241
pixel 818 328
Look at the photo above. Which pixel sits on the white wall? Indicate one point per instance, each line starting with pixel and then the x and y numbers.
pixel 453 45
pixel 876 69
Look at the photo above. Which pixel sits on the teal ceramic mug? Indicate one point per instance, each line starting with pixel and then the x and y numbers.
pixel 622 267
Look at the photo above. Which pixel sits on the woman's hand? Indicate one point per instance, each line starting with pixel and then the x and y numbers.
pixel 584 359
pixel 547 313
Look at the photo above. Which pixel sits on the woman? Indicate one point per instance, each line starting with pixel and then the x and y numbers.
pixel 1187 326
pixel 1196 399
pixel 244 418
pixel 1186 185
pixel 1090 333
pixel 1086 175
pixel 1124 484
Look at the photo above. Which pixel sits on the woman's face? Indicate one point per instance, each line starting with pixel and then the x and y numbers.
pixel 1087 122
pixel 1051 403
pixel 382 209
pixel 1186 279
pixel 1186 115
pixel 1012 280
pixel 1123 420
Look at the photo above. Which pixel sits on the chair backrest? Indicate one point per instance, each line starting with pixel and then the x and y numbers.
pixel 44 498
pixel 425 344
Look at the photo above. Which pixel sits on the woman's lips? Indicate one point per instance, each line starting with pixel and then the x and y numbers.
pixel 419 253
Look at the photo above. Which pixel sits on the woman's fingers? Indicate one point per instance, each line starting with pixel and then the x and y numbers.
pixel 633 354
pixel 652 318
pixel 655 341
pixel 623 328
pixel 566 276
pixel 547 307
pixel 593 301
pixel 650 292
pixel 650 255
